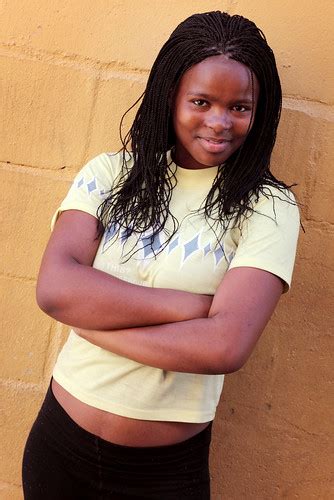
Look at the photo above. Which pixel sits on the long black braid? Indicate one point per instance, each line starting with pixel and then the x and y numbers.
pixel 141 199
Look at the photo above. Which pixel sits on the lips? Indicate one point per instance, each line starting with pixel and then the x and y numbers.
pixel 214 145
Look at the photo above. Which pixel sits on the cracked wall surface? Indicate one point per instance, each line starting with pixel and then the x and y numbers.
pixel 68 71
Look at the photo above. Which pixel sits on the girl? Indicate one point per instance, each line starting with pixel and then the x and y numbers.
pixel 167 259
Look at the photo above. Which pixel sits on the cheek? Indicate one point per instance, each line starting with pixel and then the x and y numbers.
pixel 185 114
pixel 184 123
pixel 181 118
pixel 243 127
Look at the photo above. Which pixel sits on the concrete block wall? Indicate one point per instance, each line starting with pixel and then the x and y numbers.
pixel 68 71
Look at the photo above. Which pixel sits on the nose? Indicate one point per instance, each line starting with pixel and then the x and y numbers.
pixel 220 121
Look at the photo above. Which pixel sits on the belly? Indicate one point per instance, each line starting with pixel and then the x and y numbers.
pixel 123 430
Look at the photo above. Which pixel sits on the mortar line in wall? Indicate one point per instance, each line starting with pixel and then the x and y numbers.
pixel 47 354
pixel 299 97
pixel 54 344
pixel 314 108
pixel 91 120
pixel 302 429
pixel 20 279
pixel 321 224
pixel 61 173
pixel 105 70
pixel 20 384
pixel 6 483
pixel 310 178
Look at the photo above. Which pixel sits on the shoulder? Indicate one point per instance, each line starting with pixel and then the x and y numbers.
pixel 103 171
pixel 108 163
pixel 268 234
pixel 94 183
pixel 279 205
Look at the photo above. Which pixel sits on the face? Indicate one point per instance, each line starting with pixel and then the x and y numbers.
pixel 212 110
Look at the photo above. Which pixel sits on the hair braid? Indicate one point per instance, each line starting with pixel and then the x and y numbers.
pixel 143 193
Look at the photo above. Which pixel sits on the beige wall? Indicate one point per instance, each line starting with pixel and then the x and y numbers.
pixel 67 71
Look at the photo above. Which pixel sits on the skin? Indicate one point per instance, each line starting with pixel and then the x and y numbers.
pixel 81 296
pixel 212 111
pixel 211 120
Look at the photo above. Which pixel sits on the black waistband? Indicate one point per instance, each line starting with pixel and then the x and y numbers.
pixel 64 424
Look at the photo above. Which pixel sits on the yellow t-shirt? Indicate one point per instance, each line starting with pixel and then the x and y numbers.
pixel 191 261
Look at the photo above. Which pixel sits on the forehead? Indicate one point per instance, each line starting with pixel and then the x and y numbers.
pixel 219 75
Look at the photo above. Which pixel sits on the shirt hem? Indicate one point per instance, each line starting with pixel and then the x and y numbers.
pixel 71 206
pixel 164 415
pixel 264 267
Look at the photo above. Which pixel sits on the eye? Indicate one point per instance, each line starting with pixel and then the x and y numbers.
pixel 200 103
pixel 240 108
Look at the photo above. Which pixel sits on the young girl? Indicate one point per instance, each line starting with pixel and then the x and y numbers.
pixel 167 259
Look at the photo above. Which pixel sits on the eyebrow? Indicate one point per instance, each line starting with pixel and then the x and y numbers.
pixel 208 96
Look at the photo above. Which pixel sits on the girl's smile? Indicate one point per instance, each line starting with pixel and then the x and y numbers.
pixel 212 111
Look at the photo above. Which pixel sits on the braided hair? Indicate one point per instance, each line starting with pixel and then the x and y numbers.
pixel 140 201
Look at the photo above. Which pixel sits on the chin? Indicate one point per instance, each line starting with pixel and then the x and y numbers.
pixel 212 161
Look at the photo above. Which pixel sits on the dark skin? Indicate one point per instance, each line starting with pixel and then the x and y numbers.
pixel 82 296
pixel 211 120
pixel 212 112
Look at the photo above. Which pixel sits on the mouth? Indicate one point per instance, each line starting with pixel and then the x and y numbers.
pixel 214 145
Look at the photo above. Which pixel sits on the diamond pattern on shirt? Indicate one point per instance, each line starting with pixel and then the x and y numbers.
pixel 190 247
pixel 219 255
pixel 151 247
pixel 207 249
pixel 110 232
pixel 173 244
pixel 92 185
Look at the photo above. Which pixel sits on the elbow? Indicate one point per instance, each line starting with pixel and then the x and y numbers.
pixel 231 344
pixel 225 365
pixel 47 298
pixel 232 364
pixel 228 359
pixel 42 299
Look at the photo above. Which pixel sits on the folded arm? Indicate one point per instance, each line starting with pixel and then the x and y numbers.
pixel 73 292
pixel 220 343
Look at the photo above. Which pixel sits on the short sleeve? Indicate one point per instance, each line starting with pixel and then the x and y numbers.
pixel 91 185
pixel 269 236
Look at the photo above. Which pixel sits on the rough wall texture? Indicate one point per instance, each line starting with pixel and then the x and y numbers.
pixel 67 71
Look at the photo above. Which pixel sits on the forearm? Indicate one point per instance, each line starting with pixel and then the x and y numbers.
pixel 220 343
pixel 84 297
pixel 195 346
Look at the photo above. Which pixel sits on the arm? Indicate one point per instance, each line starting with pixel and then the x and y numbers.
pixel 221 343
pixel 71 291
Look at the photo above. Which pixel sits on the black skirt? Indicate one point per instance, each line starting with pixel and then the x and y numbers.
pixel 62 461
